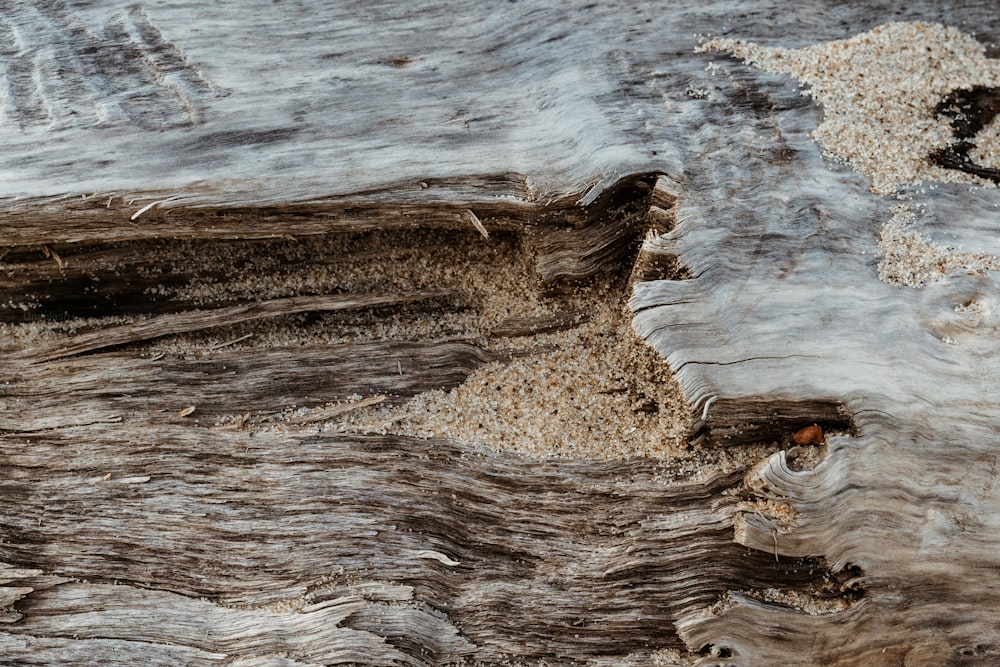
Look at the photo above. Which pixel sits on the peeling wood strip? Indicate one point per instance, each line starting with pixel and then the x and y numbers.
pixel 230 382
pixel 436 555
pixel 93 222
pixel 219 346
pixel 329 413
pixel 160 625
pixel 478 224
pixel 529 326
pixel 135 216
pixel 166 325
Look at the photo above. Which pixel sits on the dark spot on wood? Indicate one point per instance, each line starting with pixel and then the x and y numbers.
pixel 970 110
pixel 399 61
pixel 240 138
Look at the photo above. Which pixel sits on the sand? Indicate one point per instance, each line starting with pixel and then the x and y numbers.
pixel 599 393
pixel 911 259
pixel 590 391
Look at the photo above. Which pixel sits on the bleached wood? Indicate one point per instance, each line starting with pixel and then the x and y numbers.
pixel 784 322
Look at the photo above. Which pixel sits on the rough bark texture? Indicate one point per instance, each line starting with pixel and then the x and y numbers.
pixel 167 505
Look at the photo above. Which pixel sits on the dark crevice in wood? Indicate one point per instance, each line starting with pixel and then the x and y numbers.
pixel 53 281
pixel 717 652
pixel 100 280
pixel 829 596
pixel 748 420
pixel 175 323
pixel 831 591
pixel 165 276
pixel 653 264
pixel 801 457
pixel 89 294
pixel 656 266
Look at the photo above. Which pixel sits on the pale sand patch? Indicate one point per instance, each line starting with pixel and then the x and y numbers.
pixel 911 259
pixel 879 90
pixel 598 394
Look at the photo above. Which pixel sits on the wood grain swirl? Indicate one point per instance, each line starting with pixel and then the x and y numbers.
pixel 59 72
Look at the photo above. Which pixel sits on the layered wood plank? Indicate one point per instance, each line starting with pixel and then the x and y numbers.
pixel 140 137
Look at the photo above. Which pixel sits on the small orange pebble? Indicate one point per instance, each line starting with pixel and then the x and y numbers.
pixel 810 435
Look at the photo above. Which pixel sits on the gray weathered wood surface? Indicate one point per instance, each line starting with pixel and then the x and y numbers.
pixel 138 137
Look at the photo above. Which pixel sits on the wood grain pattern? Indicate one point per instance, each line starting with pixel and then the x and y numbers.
pixel 113 387
pixel 388 534
pixel 166 325
pixel 597 138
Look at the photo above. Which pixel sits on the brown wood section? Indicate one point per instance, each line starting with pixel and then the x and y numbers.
pixel 345 542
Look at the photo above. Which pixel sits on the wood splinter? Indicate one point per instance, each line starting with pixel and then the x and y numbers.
pixel 478 224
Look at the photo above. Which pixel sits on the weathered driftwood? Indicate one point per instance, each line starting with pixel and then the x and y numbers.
pixel 421 550
pixel 116 386
pixel 135 530
pixel 791 319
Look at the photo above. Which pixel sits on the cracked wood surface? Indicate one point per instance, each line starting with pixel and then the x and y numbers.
pixel 135 531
